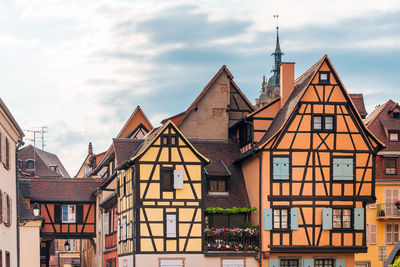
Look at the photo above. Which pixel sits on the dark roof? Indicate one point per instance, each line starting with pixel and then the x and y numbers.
pixel 358 100
pixel 217 168
pixel 63 189
pixel 43 160
pixel 175 118
pixel 228 152
pixel 124 148
pixel 25 187
pixel 380 121
pixel 24 213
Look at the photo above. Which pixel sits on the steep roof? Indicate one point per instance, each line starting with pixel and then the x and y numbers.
pixel 226 152
pixel 178 118
pixel 124 148
pixel 11 118
pixel 25 187
pixel 358 100
pixel 380 121
pixel 24 212
pixel 43 161
pixel 64 190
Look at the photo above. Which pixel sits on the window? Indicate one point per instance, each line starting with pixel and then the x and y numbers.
pixel 87 169
pixel 281 219
pixel 289 263
pixel 106 223
pixel 20 164
pixel 280 168
pixel 167 179
pixel 170 225
pixel 125 263
pixel 72 245
pixel 233 263
pixel 6 209
pixel 245 134
pixel 341 218
pixel 124 228
pixel 119 230
pixel 30 164
pixel 343 169
pixel 323 123
pixel 8 260
pixel 324 77
pixel 391 233
pixel 390 167
pixel 68 214
pixel 216 185
pixel 394 137
pixel 171 263
pixel 124 184
pixel 324 263
pixel 130 230
pixel 396 115
pixel 390 196
pixel 362 264
pixel 371 234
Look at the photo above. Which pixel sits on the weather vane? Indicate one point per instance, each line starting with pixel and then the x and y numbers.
pixel 276 17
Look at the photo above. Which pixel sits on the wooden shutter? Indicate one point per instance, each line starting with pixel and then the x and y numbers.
pixel 119 230
pixel 171 225
pixel 1 208
pixel 4 207
pixel 1 147
pixel 308 263
pixel 294 218
pixel 8 260
pixel 267 219
pixel 359 219
pixel 280 168
pixel 388 234
pixel 1 258
pixel 373 236
pixel 343 169
pixel 79 213
pixel 105 223
pixel 178 179
pixel 7 154
pixel 273 263
pixel 327 218
pixel 340 263
pixel 57 213
pixel 9 206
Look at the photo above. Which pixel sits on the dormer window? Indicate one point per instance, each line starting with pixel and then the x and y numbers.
pixel 217 185
pixel 396 115
pixel 87 169
pixel 30 164
pixel 245 134
pixel 324 77
pixel 53 168
pixel 20 164
pixel 394 136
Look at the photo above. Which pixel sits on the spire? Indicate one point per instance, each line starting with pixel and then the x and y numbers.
pixel 275 79
pixel 277 47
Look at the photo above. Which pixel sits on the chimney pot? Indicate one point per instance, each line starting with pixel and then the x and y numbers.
pixel 90 148
pixel 286 81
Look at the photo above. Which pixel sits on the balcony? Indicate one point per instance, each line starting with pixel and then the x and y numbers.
pixel 111 240
pixel 231 240
pixel 387 211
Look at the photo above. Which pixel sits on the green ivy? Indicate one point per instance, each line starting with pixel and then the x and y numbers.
pixel 234 210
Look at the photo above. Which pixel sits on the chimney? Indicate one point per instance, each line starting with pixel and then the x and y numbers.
pixel 90 148
pixel 286 81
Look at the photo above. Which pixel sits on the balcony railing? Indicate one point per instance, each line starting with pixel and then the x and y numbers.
pixel 236 239
pixel 387 210
pixel 111 240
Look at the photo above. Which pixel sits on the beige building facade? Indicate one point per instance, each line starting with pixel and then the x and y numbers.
pixel 10 135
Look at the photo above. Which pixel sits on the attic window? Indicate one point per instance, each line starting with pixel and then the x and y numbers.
pixel 30 164
pixel 394 137
pixel 53 168
pixel 396 115
pixel 324 77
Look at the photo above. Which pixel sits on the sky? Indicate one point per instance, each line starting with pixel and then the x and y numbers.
pixel 80 67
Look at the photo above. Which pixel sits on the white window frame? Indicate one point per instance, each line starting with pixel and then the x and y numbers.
pixel 123 228
pixel 233 263
pixel 394 137
pixel 392 234
pixel 172 262
pixel 71 213
pixel 26 165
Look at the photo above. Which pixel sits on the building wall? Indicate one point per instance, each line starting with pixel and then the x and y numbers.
pixel 127 261
pixel 203 123
pixel 349 257
pixel 30 244
pixel 190 260
pixel 8 234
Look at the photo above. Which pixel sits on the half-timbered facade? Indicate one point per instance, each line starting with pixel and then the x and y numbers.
pixel 315 167
pixel 161 197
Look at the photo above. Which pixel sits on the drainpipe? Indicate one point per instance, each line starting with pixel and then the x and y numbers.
pixel 19 144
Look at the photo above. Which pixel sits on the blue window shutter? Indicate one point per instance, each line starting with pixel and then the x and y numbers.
pixel 327 218
pixel 348 169
pixel 65 213
pixel 343 169
pixel 267 219
pixel 359 219
pixel 280 168
pixel 273 263
pixel 337 169
pixel 308 263
pixel 294 218
pixel 340 262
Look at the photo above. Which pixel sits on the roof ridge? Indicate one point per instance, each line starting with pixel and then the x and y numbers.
pixel 376 112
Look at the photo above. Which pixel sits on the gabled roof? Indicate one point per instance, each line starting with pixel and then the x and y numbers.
pixel 11 118
pixel 300 86
pixel 55 189
pixel 24 213
pixel 43 160
pixel 380 122
pixel 178 118
pixel 153 135
pixel 137 112
pixel 124 148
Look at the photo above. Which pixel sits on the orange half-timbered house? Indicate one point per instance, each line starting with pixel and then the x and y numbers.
pixel 314 167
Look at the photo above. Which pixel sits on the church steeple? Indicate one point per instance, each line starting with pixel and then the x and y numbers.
pixel 275 79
